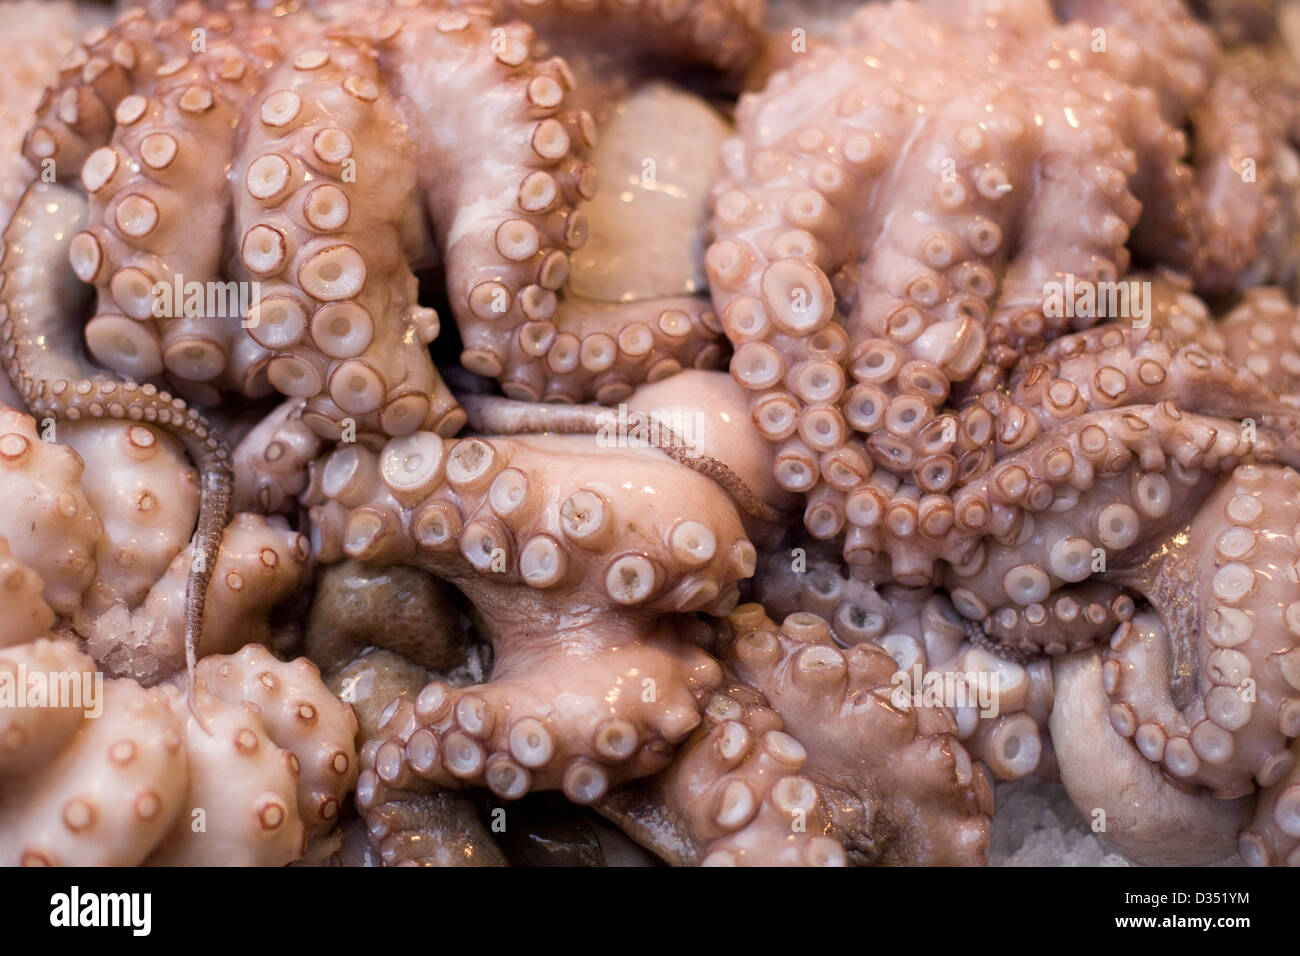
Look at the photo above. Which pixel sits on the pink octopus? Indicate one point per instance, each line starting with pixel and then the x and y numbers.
pixel 1086 512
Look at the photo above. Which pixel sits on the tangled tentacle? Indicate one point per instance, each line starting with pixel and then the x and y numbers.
pixel 901 788
pixel 733 796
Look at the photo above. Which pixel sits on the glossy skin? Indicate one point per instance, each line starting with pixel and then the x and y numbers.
pixel 272 124
pixel 269 763
pixel 882 260
pixel 573 570
pixel 1126 484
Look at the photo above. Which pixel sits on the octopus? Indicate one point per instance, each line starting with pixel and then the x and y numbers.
pixel 821 432
pixel 880 265
pixel 125 774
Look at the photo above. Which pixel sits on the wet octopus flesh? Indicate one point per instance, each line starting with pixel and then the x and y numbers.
pixel 664 607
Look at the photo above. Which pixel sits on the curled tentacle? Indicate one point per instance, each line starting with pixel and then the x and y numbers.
pixel 1206 682
pixel 39 306
pixel 906 789
pixel 1141 811
pixel 323 223
pixel 1072 618
pixel 528 527
pixel 271 461
pixel 733 796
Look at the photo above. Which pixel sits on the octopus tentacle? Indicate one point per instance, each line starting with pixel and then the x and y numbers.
pixel 733 796
pixel 271 768
pixel 895 771
pixel 47 478
pixel 39 304
pixel 1112 365
pixel 998 707
pixel 1216 702
pixel 507 251
pixel 1065 461
pixel 165 165
pixel 616 322
pixel 872 341
pixel 147 496
pixel 1262 334
pixel 104 791
pixel 922 296
pixel 722 34
pixel 497 515
pixel 1086 528
pixel 271 462
pixel 1237 127
pixel 1225 213
pixel 404 827
pixel 37 38
pixel 75 117
pixel 696 418
pixel 112 785
pixel 819 583
pixel 532 728
pixel 425 829
pixel 1072 618
pixel 27 614
pixel 1148 816
pixel 300 714
pixel 1247 173
pixel 323 224
pixel 1273 836
pixel 536 511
